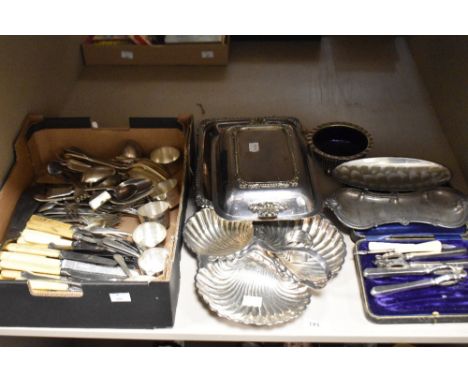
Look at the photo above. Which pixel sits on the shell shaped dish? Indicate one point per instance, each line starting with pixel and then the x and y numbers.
pixel 251 289
pixel 305 267
pixel 207 234
pixel 327 240
pixel 392 174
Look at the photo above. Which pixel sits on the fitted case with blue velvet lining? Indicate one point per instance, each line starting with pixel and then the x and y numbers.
pixel 434 304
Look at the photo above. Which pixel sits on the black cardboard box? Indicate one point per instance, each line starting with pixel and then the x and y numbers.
pixel 103 304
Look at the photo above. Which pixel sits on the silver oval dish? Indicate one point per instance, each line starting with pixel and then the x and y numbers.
pixel 262 173
pixel 357 209
pixel 392 174
pixel 206 234
pixel 326 239
pixel 251 289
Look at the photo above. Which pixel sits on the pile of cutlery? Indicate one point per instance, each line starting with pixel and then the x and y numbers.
pixel 75 235
pixel 444 266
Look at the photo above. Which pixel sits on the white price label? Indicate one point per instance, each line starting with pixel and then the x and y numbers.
pixel 207 54
pixel 120 297
pixel 126 54
pixel 253 301
pixel 254 147
pixel 99 200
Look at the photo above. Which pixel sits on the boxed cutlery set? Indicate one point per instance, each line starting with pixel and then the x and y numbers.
pixel 94 239
pixel 410 232
pixel 421 278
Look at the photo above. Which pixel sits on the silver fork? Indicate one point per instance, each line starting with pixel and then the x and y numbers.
pixel 410 270
pixel 390 256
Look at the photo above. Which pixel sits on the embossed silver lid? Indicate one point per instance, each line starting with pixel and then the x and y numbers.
pixel 260 171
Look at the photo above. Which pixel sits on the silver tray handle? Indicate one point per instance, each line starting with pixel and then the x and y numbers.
pixel 267 210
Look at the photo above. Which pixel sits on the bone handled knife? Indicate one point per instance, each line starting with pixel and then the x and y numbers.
pixel 56 227
pixel 38 237
pixel 77 269
pixel 60 254
pixel 40 281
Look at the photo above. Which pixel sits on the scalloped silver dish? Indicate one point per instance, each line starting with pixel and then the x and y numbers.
pixel 252 289
pixel 327 240
pixel 392 174
pixel 357 209
pixel 207 234
pixel 305 265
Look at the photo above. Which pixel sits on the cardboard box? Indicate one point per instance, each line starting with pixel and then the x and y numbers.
pixel 165 54
pixel 143 305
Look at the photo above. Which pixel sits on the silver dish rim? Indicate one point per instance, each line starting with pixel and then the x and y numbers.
pixel 311 133
pixel 292 279
pixel 211 210
pixel 334 206
pixel 394 189
pixel 201 199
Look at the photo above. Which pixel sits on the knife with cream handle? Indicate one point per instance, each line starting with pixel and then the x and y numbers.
pixel 60 254
pixel 59 228
pixel 39 281
pixel 39 264
pixel 38 237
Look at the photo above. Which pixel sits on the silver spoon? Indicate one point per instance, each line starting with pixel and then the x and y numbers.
pixel 111 181
pixel 83 157
pixel 76 165
pixel 130 187
pixel 97 174
pixel 132 150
